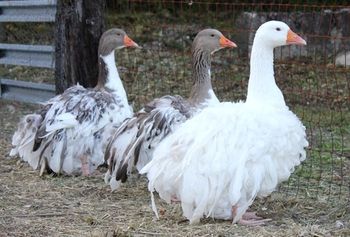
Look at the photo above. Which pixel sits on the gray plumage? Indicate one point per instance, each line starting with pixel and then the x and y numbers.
pixel 134 141
pixel 74 127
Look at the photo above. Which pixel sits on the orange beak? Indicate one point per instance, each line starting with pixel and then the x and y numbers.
pixel 129 42
pixel 226 43
pixel 293 38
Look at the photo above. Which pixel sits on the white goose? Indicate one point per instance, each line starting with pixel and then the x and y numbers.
pixel 69 135
pixel 219 161
pixel 135 140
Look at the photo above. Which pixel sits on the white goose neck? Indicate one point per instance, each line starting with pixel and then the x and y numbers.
pixel 113 81
pixel 262 87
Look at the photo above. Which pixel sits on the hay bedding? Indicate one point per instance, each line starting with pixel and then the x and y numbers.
pixel 84 206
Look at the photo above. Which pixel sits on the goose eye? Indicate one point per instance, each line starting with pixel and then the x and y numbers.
pixel 118 34
pixel 278 29
pixel 212 35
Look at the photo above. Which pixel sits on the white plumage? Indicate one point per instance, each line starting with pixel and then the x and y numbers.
pixel 222 166
pixel 23 138
pixel 220 160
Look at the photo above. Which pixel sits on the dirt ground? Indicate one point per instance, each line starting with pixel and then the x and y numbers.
pixel 84 206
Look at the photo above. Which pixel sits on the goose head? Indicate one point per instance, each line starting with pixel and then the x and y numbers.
pixel 108 74
pixel 277 33
pixel 114 39
pixel 262 87
pixel 205 43
pixel 211 40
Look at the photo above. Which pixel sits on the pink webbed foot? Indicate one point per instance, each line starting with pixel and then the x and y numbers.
pixel 251 215
pixel 250 218
pixel 253 222
pixel 174 199
pixel 85 166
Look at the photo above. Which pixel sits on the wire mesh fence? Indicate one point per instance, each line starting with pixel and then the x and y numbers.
pixel 315 79
pixel 28 33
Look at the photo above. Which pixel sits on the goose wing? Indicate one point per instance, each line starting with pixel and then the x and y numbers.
pixel 134 141
pixel 68 126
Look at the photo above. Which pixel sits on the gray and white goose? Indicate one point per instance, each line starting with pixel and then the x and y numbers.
pixel 134 141
pixel 69 134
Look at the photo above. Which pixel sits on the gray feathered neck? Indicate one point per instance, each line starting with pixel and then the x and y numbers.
pixel 201 63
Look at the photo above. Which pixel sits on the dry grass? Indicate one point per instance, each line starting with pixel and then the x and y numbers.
pixel 84 206
pixel 80 206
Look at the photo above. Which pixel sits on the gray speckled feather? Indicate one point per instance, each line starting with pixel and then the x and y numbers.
pixel 73 128
pixel 137 137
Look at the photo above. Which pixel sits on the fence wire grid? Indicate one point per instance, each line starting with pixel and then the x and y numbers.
pixel 315 79
pixel 28 33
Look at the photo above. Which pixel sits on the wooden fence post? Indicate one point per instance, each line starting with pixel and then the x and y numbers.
pixel 79 25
